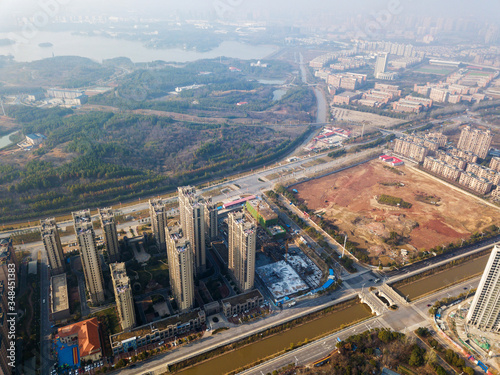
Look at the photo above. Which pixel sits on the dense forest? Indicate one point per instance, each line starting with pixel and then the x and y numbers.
pixel 100 158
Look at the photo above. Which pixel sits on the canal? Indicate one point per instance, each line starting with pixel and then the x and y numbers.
pixel 444 278
pixel 261 349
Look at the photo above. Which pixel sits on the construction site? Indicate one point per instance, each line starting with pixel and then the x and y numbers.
pixel 417 212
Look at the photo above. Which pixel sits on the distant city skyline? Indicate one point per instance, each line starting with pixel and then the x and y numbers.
pixel 278 9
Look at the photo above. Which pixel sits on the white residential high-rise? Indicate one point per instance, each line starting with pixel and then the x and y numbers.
pixel 52 243
pixel 91 261
pixel 476 141
pixel 110 234
pixel 381 63
pixel 158 214
pixel 242 243
pixel 181 270
pixel 123 295
pixel 484 312
pixel 192 215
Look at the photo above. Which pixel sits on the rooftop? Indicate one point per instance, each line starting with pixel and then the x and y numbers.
pixel 263 209
pixel 88 335
pixel 242 298
pixel 60 301
pixel 159 325
pixel 119 275
pixel 106 215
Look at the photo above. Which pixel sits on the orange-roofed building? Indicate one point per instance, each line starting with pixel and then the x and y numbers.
pixel 86 333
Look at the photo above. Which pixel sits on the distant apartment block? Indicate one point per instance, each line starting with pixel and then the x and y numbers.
pixel 242 241
pixel 468 156
pixel 181 268
pixel 59 299
pixel 347 81
pixel 439 138
pixel 381 64
pixel 108 225
pixel 345 98
pixel 495 163
pixel 91 261
pixel 478 184
pixel 158 214
pixel 452 160
pixel 52 244
pixel 412 104
pixel 484 312
pixel 484 172
pixel 123 295
pixel 441 168
pixel 408 148
pixel 476 141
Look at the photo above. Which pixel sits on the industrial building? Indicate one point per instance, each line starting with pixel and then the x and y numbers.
pixel 91 261
pixel 484 312
pixel 52 244
pixel 123 295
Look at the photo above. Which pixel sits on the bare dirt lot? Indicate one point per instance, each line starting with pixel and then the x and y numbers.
pixel 438 215
pixel 354 120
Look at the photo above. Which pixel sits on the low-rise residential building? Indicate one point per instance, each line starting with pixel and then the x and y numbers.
pixel 162 330
pixel 468 156
pixel 345 98
pixel 243 302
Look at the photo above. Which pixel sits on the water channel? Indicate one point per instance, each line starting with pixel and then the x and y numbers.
pixel 253 352
pixel 445 278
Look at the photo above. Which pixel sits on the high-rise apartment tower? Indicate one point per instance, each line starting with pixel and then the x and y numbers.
pixel 484 312
pixel 52 244
pixel 91 261
pixel 110 234
pixel 181 270
pixel 242 244
pixel 123 295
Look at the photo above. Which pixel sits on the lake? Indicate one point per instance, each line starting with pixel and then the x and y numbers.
pixel 5 141
pixel 99 48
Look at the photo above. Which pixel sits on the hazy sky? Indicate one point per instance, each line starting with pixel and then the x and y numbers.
pixel 11 9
